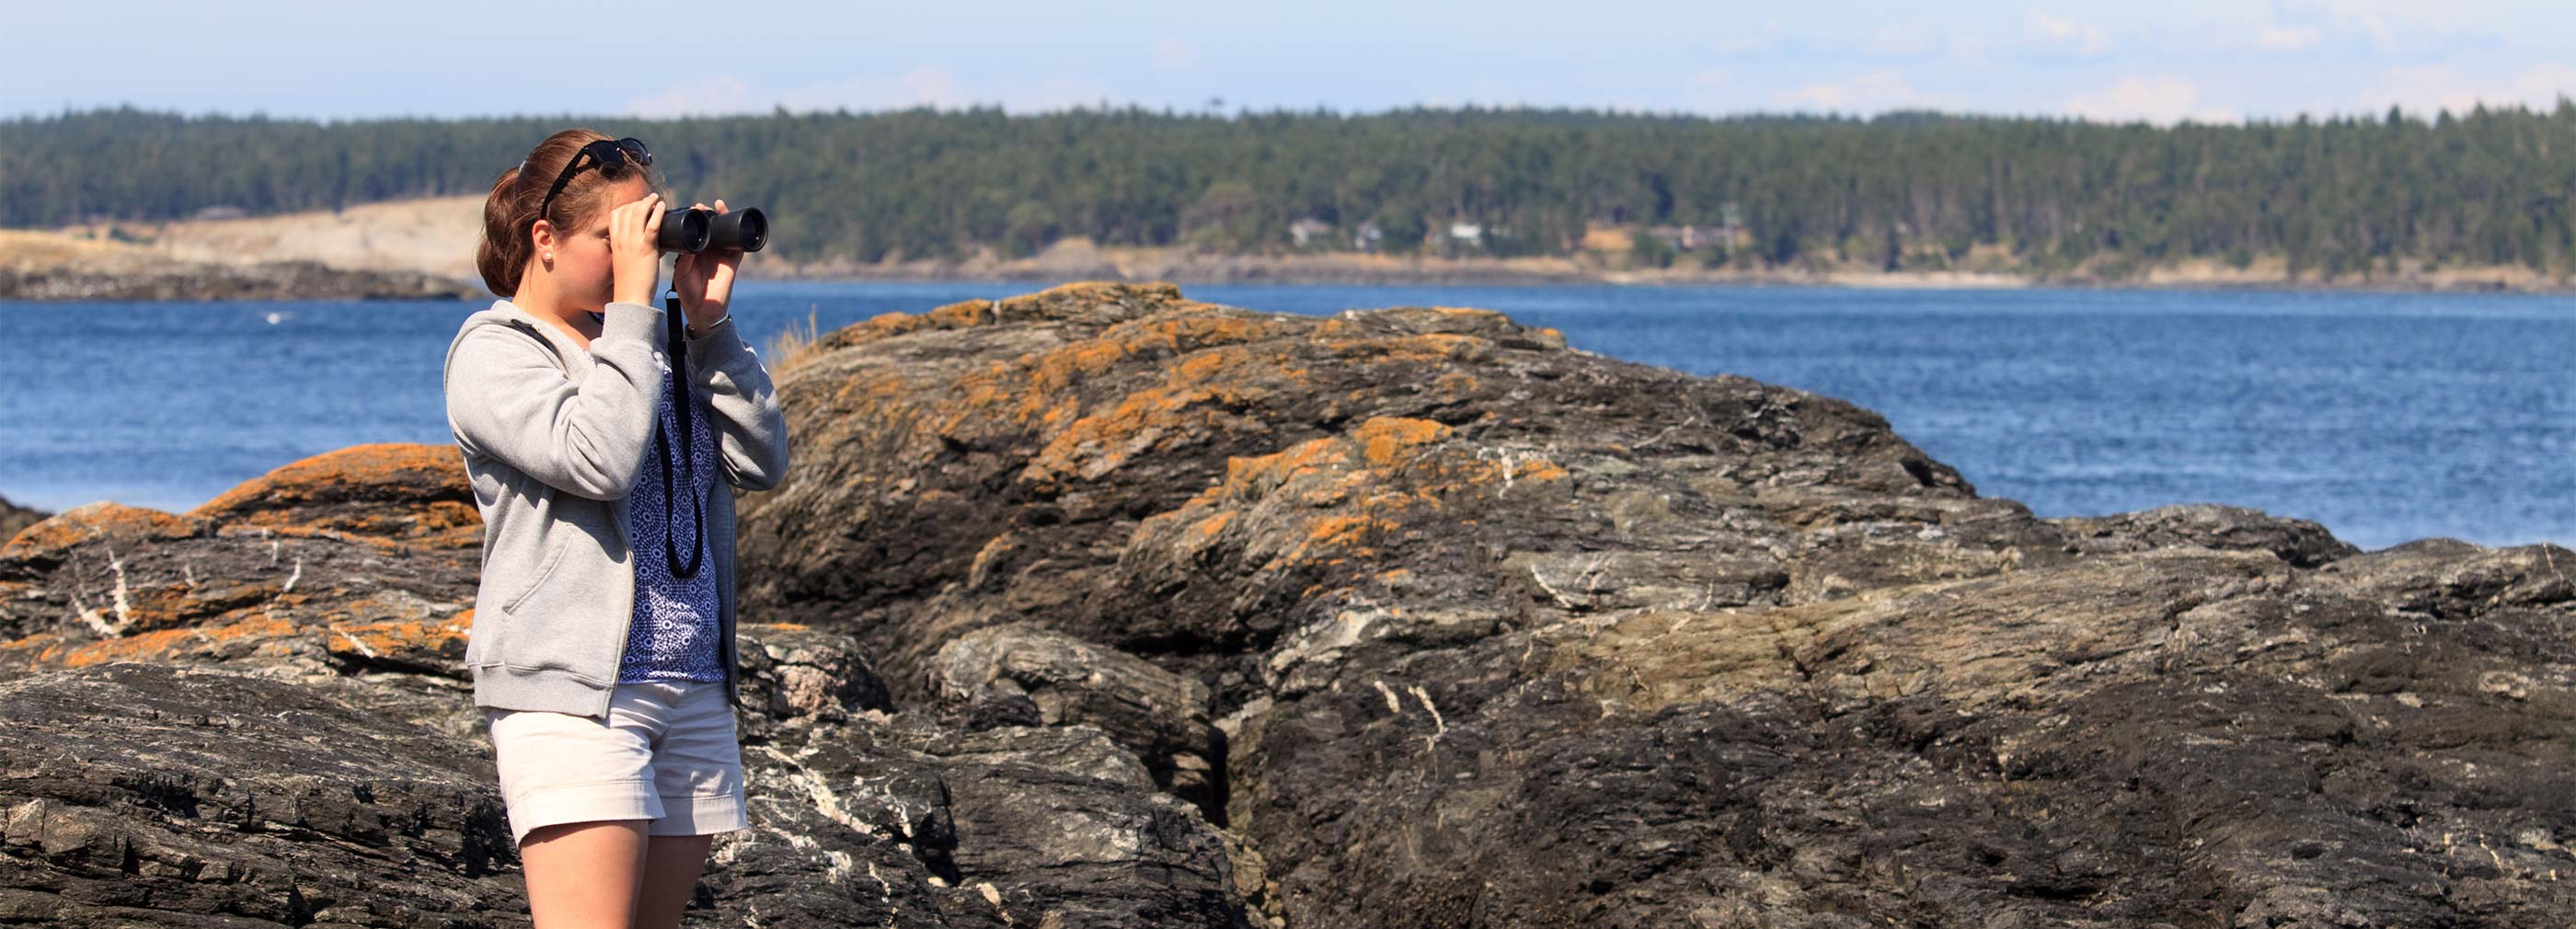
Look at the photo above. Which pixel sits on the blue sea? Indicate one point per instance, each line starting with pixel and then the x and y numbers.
pixel 2386 417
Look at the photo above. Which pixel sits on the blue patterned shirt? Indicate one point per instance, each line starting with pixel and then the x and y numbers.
pixel 673 636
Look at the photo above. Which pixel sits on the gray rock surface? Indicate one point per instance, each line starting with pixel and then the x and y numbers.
pixel 1103 607
pixel 1503 633
pixel 254 714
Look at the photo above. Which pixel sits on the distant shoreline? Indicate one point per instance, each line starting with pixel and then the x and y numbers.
pixel 307 281
pixel 1367 270
pixel 423 249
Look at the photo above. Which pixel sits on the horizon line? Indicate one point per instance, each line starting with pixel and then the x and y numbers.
pixel 257 114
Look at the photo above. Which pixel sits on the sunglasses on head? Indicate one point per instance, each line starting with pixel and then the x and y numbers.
pixel 606 155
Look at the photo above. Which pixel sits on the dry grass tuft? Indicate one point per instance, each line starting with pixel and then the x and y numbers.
pixel 791 347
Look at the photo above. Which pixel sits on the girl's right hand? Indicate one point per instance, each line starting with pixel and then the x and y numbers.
pixel 634 260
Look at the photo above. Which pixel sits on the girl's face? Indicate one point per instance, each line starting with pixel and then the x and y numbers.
pixel 581 269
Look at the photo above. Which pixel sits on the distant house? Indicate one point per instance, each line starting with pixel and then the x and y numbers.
pixel 1469 233
pixel 1691 238
pixel 1367 237
pixel 1308 229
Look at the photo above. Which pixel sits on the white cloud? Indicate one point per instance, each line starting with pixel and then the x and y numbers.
pixel 2425 89
pixel 2378 19
pixel 924 86
pixel 2080 38
pixel 1904 40
pixel 2417 26
pixel 706 96
pixel 1967 51
pixel 1872 92
pixel 1174 53
pixel 2160 100
pixel 2284 38
pixel 1747 42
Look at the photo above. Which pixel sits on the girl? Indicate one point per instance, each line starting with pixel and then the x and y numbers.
pixel 602 439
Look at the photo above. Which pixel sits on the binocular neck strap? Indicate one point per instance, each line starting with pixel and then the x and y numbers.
pixel 683 405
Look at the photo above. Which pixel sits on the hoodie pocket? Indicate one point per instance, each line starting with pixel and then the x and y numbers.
pixel 554 556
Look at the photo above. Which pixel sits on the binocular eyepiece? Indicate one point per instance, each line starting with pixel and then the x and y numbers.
pixel 696 230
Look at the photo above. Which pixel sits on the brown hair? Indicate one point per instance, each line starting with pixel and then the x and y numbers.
pixel 510 212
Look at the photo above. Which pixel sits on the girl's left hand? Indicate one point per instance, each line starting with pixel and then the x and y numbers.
pixel 705 280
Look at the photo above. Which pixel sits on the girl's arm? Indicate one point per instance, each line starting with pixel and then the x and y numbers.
pixel 508 400
pixel 751 429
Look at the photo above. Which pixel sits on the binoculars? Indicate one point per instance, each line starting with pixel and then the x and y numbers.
pixel 695 230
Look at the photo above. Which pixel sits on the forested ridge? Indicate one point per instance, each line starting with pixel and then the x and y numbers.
pixel 2351 194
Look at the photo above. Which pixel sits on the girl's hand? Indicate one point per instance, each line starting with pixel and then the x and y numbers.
pixel 634 261
pixel 705 280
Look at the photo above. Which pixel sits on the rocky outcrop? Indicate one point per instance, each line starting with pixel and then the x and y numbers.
pixel 14 518
pixel 1104 607
pixel 1024 675
pixel 1500 632
pixel 254 713
pixel 164 281
pixel 362 558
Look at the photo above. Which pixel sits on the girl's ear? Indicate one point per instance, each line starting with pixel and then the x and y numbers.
pixel 543 235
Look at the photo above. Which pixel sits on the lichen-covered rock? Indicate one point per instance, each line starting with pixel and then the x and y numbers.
pixel 1465 627
pixel 255 714
pixel 362 558
pixel 1533 637
pixel 391 495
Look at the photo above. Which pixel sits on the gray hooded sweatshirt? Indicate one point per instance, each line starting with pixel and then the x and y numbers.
pixel 554 438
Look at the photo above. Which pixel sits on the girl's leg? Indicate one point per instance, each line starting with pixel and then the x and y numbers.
pixel 671 870
pixel 583 875
pixel 697 774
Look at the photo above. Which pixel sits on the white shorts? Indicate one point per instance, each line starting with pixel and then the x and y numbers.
pixel 667 753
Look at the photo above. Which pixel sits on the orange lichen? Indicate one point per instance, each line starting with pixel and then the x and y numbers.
pixel 1385 437
pixel 387 494
pixel 333 474
pixel 1209 527
pixel 113 521
pixel 1419 347
pixel 1359 487
pixel 1538 469
pixel 400 637
pixel 1339 530
pixel 961 314
pixel 158 645
pixel 1182 406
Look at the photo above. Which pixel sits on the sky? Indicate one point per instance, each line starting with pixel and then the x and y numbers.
pixel 2201 60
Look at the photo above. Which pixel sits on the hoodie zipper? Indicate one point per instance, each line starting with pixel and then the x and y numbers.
pixel 626 626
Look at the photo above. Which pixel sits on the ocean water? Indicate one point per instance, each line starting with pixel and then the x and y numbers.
pixel 2385 417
